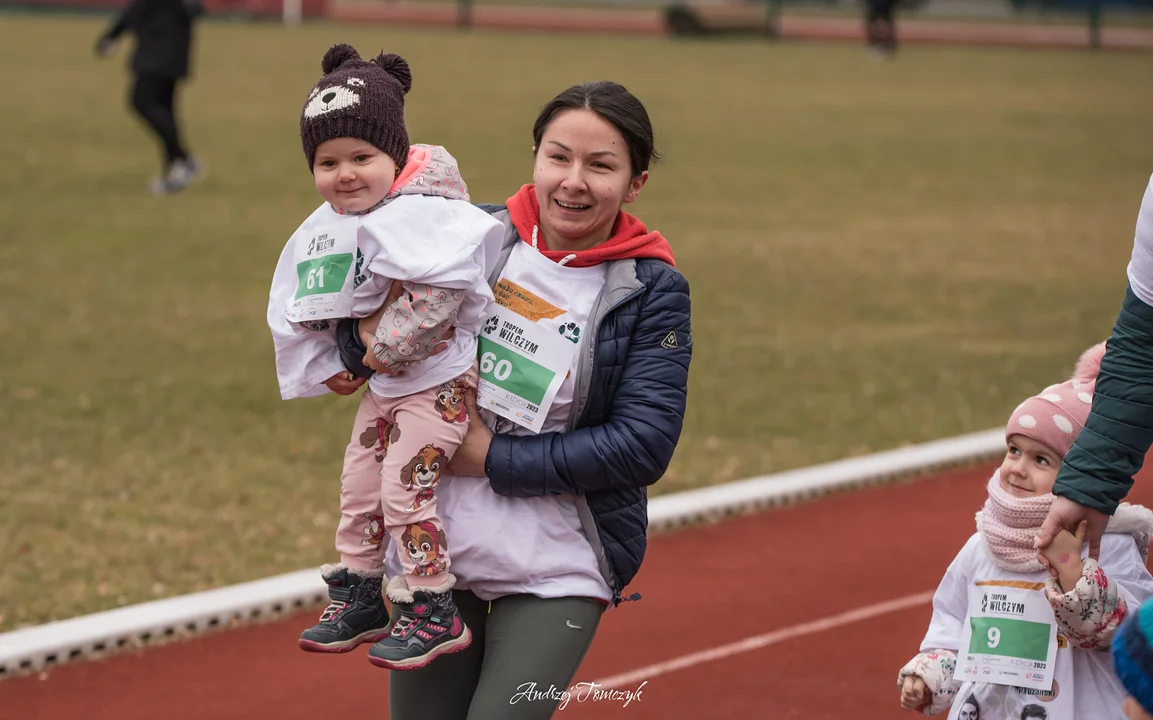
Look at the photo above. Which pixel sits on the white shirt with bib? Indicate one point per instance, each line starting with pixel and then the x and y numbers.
pixel 415 238
pixel 530 545
pixel 1085 684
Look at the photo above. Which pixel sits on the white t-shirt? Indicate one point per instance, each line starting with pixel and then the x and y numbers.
pixel 1084 679
pixel 417 238
pixel 503 546
pixel 1141 264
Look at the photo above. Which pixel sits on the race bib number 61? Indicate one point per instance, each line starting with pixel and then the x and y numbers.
pixel 324 273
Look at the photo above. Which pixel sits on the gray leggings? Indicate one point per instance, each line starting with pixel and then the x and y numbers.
pixel 517 641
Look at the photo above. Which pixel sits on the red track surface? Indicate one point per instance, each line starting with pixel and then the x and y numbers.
pixel 795 564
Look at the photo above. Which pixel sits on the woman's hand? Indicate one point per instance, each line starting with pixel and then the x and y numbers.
pixel 1067 514
pixel 468 460
pixel 344 383
pixel 914 693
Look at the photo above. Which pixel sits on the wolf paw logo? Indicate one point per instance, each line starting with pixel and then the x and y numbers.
pixel 570 331
pixel 490 325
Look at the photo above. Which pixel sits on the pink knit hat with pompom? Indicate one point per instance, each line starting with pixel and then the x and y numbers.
pixel 1054 417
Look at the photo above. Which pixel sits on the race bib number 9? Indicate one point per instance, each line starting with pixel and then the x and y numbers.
pixel 1010 636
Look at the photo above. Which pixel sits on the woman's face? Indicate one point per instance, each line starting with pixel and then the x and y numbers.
pixel 582 176
pixel 969 712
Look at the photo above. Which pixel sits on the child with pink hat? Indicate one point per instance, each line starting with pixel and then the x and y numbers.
pixel 1005 635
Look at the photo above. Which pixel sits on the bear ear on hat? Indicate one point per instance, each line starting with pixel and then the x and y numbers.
pixel 395 66
pixel 338 55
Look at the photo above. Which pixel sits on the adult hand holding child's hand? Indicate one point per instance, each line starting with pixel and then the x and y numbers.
pixel 1065 514
pixel 1063 555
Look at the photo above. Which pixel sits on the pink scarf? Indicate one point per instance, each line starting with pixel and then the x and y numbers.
pixel 1008 526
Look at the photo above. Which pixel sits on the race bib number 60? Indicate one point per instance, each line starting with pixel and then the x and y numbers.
pixel 522 366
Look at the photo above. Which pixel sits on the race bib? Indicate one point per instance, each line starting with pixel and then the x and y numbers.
pixel 1010 636
pixel 522 365
pixel 324 265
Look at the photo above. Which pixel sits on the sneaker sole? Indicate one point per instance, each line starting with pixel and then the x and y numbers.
pixel 450 647
pixel 342 646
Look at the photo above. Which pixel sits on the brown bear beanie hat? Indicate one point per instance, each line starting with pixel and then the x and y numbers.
pixel 359 99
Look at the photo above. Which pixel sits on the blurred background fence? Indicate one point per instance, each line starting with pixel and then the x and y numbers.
pixel 672 16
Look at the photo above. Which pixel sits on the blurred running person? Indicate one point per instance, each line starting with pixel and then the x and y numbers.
pixel 163 30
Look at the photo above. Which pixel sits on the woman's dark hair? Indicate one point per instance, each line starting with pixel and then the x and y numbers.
pixel 616 105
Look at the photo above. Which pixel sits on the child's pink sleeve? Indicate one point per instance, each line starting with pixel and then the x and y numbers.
pixel 415 323
pixel 1091 611
pixel 936 668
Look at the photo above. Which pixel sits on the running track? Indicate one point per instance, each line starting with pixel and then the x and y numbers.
pixel 833 599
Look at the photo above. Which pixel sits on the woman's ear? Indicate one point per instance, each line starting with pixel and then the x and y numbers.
pixel 635 185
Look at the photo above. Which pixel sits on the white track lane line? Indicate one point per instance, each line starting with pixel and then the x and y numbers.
pixel 630 679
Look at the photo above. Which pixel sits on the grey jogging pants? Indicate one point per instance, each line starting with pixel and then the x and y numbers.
pixel 525 651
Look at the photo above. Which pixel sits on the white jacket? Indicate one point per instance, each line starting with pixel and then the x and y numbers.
pixel 1084 679
pixel 417 238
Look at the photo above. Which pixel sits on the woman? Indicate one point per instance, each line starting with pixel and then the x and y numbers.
pixel 548 528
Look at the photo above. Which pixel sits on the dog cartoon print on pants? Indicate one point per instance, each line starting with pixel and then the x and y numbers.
pixel 422 473
pixel 425 544
pixel 450 401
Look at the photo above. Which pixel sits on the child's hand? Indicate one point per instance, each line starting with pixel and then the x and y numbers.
pixel 914 693
pixel 344 383
pixel 1064 555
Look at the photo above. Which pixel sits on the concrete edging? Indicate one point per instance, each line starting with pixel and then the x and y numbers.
pixel 90 636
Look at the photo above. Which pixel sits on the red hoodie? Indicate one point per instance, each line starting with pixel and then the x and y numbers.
pixel 630 238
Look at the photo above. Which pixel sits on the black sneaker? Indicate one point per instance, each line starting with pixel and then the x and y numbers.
pixel 428 627
pixel 356 615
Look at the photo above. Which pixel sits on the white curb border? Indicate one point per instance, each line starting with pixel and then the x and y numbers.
pixel 35 648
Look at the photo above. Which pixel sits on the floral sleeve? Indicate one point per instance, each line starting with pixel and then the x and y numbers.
pixel 936 668
pixel 1091 611
pixel 415 323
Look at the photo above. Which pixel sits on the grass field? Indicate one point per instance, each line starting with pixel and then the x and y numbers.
pixel 879 254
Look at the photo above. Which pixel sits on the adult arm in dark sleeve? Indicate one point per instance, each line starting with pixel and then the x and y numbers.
pixel 634 446
pixel 1098 471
